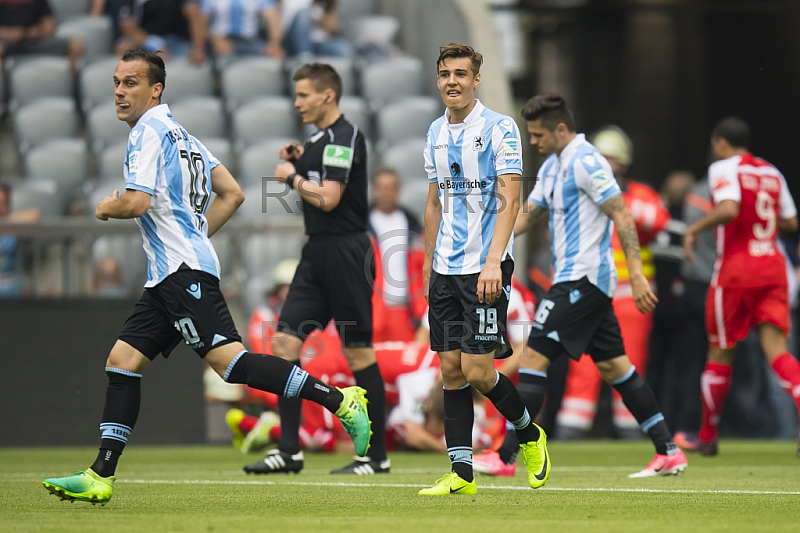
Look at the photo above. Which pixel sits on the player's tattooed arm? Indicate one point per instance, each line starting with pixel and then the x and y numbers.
pixel 528 217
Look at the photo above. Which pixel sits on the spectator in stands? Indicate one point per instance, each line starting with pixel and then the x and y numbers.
pixel 173 27
pixel 28 27
pixel 233 27
pixel 11 253
pixel 107 280
pixel 399 297
pixel 310 27
pixel 110 9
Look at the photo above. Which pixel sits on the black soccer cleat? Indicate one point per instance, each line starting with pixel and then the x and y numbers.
pixel 364 466
pixel 275 462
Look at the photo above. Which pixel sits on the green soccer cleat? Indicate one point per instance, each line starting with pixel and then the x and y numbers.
pixel 258 439
pixel 537 459
pixel 355 418
pixel 84 486
pixel 450 483
pixel 233 418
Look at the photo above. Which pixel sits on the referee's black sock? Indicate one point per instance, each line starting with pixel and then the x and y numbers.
pixel 123 398
pixel 507 400
pixel 459 417
pixel 370 379
pixel 531 386
pixel 640 401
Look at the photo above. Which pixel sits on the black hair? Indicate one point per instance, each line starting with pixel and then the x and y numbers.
pixel 734 130
pixel 551 108
pixel 157 72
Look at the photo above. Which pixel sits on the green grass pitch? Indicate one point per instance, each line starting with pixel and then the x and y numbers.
pixel 751 486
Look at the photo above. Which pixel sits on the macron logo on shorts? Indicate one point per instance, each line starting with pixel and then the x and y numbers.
pixel 194 290
pixel 574 296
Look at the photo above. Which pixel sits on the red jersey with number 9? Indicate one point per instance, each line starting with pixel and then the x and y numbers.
pixel 747 254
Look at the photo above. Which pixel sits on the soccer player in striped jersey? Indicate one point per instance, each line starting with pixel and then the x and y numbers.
pixel 577 190
pixel 474 162
pixel 169 177
pixel 749 286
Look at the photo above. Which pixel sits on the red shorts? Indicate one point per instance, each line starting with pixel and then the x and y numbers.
pixel 732 313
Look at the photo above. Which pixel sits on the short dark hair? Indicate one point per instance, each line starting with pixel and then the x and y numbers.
pixel 734 130
pixel 551 108
pixel 455 50
pixel 322 75
pixel 157 72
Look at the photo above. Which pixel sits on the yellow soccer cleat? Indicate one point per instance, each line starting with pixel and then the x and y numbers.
pixel 450 483
pixel 355 419
pixel 84 486
pixel 537 459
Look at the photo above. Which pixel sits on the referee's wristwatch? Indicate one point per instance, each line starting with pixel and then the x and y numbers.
pixel 290 179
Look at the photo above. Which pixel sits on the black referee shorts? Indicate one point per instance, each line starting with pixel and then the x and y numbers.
pixel 334 279
pixel 576 317
pixel 460 322
pixel 187 306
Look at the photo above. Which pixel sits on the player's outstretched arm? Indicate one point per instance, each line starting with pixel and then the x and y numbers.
pixel 433 219
pixel 131 204
pixel 723 212
pixel 229 198
pixel 625 227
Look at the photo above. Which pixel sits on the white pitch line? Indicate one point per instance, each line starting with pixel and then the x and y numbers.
pixel 488 487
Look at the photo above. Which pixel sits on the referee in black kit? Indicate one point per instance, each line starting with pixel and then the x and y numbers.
pixel 336 271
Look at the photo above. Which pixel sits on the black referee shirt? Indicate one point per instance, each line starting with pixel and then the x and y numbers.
pixel 339 152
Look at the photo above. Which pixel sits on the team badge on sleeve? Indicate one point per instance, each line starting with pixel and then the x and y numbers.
pixel 133 161
pixel 337 156
pixel 511 148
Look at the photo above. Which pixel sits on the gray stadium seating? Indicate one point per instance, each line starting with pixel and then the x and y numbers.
pixel 349 9
pixel 222 150
pixel 379 30
pixel 407 119
pixel 271 116
pixel 406 158
pixel 62 160
pixel 41 193
pixel 259 160
pixel 385 81
pixel 186 80
pixel 67 9
pixel 356 110
pixel 414 195
pixel 280 202
pixel 110 161
pixel 248 79
pixel 96 32
pixel 96 83
pixel 37 78
pixel 343 66
pixel 203 117
pixel 104 128
pixel 128 251
pixel 46 119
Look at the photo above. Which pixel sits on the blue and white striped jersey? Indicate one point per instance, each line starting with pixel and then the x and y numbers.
pixel 173 167
pixel 465 160
pixel 572 187
pixel 239 18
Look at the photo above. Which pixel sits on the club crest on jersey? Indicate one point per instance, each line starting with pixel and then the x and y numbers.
pixel 479 143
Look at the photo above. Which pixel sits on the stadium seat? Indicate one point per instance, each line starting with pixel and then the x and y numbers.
pixel 221 149
pixel 63 160
pixel 46 119
pixel 407 119
pixel 248 79
pixel 265 201
pixel 378 30
pixel 110 161
pixel 386 81
pixel 68 9
pixel 350 9
pixel 406 158
pixel 41 193
pixel 104 128
pixel 96 32
pixel 37 78
pixel 96 84
pixel 260 253
pixel 414 196
pixel 259 160
pixel 186 80
pixel 271 116
pixel 343 66
pixel 203 117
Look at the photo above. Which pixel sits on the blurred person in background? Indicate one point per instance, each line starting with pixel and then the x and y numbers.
pixel 29 27
pixel 399 303
pixel 311 27
pixel 582 389
pixel 233 27
pixel 172 27
pixel 12 252
pixel 751 203
pixel 107 279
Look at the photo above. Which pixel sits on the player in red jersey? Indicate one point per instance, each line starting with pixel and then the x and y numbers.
pixel 749 286
pixel 582 387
